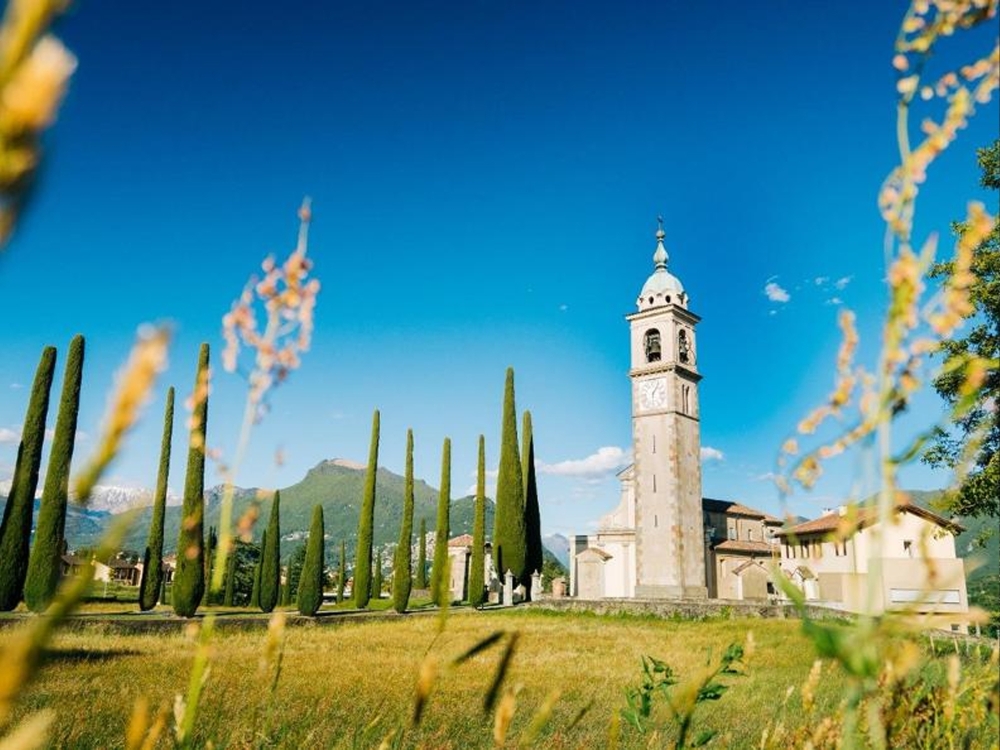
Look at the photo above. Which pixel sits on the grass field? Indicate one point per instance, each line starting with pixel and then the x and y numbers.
pixel 347 683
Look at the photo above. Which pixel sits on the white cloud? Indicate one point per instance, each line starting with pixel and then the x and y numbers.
pixel 768 476
pixel 708 453
pixel 606 461
pixel 16 386
pixel 775 293
pixel 9 436
pixel 821 280
pixel 835 301
pixel 842 282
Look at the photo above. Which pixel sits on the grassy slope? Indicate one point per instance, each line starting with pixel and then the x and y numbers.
pixel 328 692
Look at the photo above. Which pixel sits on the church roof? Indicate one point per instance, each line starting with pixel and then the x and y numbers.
pixel 662 287
pixel 731 508
pixel 741 545
pixel 864 517
pixel 464 540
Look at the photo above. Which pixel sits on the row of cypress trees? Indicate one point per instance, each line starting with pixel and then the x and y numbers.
pixel 31 572
pixel 517 544
pixel 517 539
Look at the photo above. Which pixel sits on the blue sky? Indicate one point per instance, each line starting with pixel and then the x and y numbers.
pixel 486 178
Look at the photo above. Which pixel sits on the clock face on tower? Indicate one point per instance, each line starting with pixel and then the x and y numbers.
pixel 653 393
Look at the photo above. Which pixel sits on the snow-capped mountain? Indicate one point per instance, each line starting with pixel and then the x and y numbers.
pixel 111 499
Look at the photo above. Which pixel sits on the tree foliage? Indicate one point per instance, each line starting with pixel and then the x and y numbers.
pixel 255 591
pixel 189 578
pixel 342 572
pixel 402 569
pixel 45 563
pixel 270 566
pixel 422 556
pixel 152 571
pixel 534 553
pixel 509 539
pixel 439 568
pixel 15 529
pixel 979 494
pixel 477 563
pixel 366 524
pixel 310 581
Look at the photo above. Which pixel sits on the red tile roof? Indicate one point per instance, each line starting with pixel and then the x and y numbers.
pixel 740 545
pixel 862 517
pixel 465 540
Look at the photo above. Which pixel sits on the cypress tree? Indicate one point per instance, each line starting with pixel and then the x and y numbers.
pixel 286 586
pixel 477 565
pixel 255 592
pixel 45 564
pixel 377 577
pixel 438 569
pixel 152 568
pixel 422 556
pixel 210 544
pixel 270 565
pixel 310 595
pixel 189 579
pixel 230 593
pixel 402 573
pixel 534 557
pixel 508 521
pixel 363 565
pixel 15 530
pixel 342 572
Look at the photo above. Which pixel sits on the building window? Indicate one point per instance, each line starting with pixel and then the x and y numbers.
pixel 652 343
pixel 654 443
pixel 908 547
pixel 732 532
pixel 654 482
pixel 686 399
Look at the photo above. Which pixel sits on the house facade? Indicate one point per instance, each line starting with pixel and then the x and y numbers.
pixel 851 560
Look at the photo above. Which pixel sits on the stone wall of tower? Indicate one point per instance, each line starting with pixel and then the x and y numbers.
pixel 669 536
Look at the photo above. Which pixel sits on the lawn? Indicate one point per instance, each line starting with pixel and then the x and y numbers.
pixel 348 683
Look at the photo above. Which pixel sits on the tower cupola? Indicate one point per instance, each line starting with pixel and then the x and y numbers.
pixel 662 287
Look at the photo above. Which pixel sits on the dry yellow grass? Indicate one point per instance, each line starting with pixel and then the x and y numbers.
pixel 349 684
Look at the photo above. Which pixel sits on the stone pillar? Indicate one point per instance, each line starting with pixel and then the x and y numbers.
pixel 536 586
pixel 508 587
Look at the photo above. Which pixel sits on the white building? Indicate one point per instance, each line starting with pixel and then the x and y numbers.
pixel 853 562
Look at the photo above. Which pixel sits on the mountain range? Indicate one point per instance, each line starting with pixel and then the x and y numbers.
pixel 336 484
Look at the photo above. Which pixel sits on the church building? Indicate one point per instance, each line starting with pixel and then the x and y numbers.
pixel 665 540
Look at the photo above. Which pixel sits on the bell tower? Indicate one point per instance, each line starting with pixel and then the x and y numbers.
pixel 666 438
